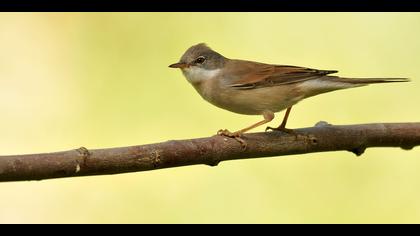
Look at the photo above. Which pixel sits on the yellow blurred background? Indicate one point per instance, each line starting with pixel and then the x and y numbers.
pixel 102 80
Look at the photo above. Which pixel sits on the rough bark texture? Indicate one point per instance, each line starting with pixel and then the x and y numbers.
pixel 210 151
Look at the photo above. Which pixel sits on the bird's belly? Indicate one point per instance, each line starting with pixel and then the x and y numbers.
pixel 254 101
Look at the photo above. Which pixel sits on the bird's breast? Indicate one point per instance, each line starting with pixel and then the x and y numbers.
pixel 249 102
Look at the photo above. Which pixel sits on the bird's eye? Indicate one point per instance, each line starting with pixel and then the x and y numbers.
pixel 200 60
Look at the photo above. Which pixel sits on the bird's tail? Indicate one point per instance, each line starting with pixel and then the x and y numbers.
pixel 331 83
pixel 365 81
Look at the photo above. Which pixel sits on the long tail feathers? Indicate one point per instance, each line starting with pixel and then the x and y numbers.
pixel 365 81
pixel 331 83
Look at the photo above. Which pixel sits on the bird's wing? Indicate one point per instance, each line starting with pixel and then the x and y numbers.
pixel 258 75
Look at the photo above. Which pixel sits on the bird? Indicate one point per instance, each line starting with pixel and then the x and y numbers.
pixel 255 88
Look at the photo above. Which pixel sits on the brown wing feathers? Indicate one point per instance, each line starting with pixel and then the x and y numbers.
pixel 272 75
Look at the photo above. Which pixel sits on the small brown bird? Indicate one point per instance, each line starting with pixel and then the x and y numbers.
pixel 254 88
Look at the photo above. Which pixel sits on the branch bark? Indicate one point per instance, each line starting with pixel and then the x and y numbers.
pixel 210 151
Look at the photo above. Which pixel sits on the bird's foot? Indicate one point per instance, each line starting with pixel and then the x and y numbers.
pixel 236 135
pixel 281 129
pixel 227 133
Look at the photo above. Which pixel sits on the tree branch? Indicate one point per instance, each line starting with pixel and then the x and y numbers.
pixel 210 151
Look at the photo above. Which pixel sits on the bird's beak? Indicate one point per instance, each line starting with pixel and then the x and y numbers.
pixel 179 65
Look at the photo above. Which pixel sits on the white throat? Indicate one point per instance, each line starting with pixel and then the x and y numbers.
pixel 197 74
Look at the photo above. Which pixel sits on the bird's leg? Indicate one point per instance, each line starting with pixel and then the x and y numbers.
pixel 282 126
pixel 268 116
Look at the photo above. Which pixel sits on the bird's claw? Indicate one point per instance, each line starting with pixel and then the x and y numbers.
pixel 236 135
pixel 227 133
pixel 281 129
